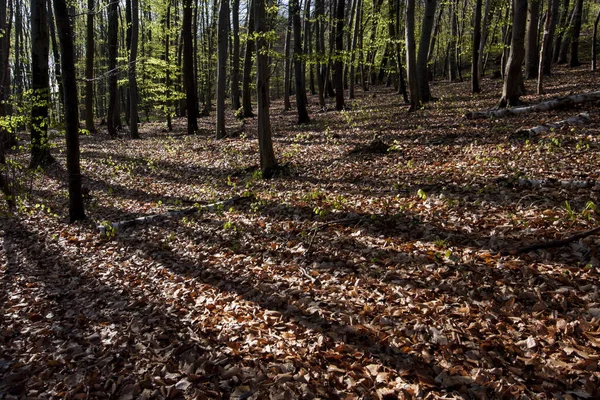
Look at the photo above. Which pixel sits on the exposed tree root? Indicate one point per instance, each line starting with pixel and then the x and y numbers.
pixel 551 244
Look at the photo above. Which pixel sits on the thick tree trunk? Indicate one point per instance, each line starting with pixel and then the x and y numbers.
pixel 426 30
pixel 574 54
pixel 339 49
pixel 475 48
pixel 511 90
pixel 411 62
pixel 222 39
pixel 531 42
pixel 113 120
pixel 133 88
pixel 301 100
pixel 249 54
pixel 546 56
pixel 40 147
pixel 595 41
pixel 287 82
pixel 69 77
pixel 561 102
pixel 235 56
pixel 89 69
pixel 188 69
pixel 268 163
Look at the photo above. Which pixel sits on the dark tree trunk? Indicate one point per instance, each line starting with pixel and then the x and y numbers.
pixel 320 45
pixel 188 68
pixel 5 26
pixel 566 40
pixel 56 55
pixel 268 163
pixel 547 46
pixel 595 41
pixel 356 30
pixel 249 54
pixel 113 120
pixel 40 147
pixel 452 47
pixel 511 90
pixel 574 54
pixel 475 48
pixel 562 27
pixel 531 41
pixel 546 41
pixel 235 56
pixel 411 62
pixel 222 39
pixel 76 210
pixel 89 69
pixel 133 89
pixel 301 100
pixel 426 30
pixel 339 48
pixel 167 67
pixel 287 81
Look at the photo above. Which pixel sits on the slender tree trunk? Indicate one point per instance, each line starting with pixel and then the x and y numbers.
pixel 308 46
pixel 113 120
pixel 562 28
pixel 249 54
pixel 339 48
pixel 287 105
pixel 89 69
pixel 167 33
pixel 188 69
pixel 320 45
pixel 595 41
pixel 531 41
pixel 40 147
pixel 426 30
pixel 452 46
pixel 5 24
pixel 574 55
pixel 222 39
pixel 357 22
pixel 551 22
pixel 133 89
pixel 301 100
pixel 235 57
pixel 76 209
pixel 411 62
pixel 475 48
pixel 56 55
pixel 546 41
pixel 511 90
pixel 268 163
pixel 487 14
pixel 567 37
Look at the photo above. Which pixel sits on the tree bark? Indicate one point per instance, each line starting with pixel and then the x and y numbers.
pixel 562 27
pixel 320 45
pixel 133 88
pixel 531 43
pixel 411 64
pixel 167 33
pixel 511 91
pixel 40 147
pixel 574 54
pixel 475 48
pixel 546 56
pixel 422 69
pixel 287 81
pixel 76 209
pixel 595 41
pixel 487 14
pixel 268 163
pixel 188 69
pixel 249 54
pixel 357 22
pixel 56 56
pixel 567 37
pixel 222 40
pixel 546 40
pixel 235 56
pixel 301 100
pixel 339 49
pixel 113 120
pixel 452 47
pixel 89 69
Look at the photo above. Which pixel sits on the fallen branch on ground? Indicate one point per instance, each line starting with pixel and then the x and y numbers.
pixel 169 214
pixel 582 118
pixel 561 102
pixel 550 244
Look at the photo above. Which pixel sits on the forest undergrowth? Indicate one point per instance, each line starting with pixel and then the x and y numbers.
pixel 355 273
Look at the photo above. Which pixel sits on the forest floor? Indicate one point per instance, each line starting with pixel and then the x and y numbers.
pixel 356 273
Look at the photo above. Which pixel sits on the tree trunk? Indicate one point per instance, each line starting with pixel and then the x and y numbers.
pixel 188 68
pixel 301 100
pixel 546 41
pixel 452 46
pixel 268 163
pixel 133 89
pixel 287 105
pixel 475 48
pixel 511 90
pixel 167 33
pixel 357 21
pixel 531 43
pixel 411 64
pixel 562 27
pixel 69 77
pixel 40 147
pixel 595 41
pixel 113 120
pixel 566 41
pixel 339 49
pixel 56 56
pixel 249 54
pixel 89 69
pixel 487 14
pixel 426 30
pixel 222 39
pixel 574 55
pixel 396 22
pixel 235 56
pixel 320 45
pixel 4 89
pixel 547 52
